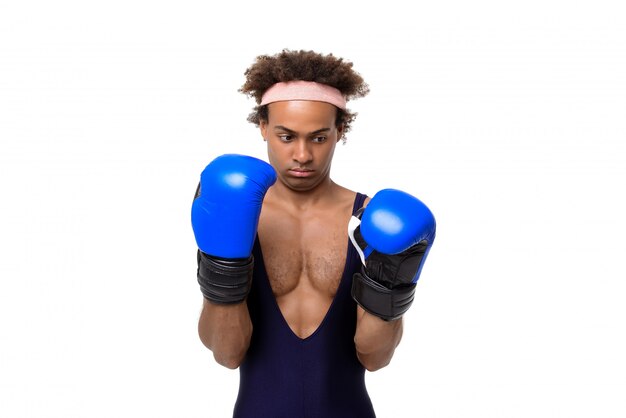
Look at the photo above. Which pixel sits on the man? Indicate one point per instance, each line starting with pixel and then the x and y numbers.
pixel 300 305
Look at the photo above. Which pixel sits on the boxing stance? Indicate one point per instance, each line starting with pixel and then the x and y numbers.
pixel 305 282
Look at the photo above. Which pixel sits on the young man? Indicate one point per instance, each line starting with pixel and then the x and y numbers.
pixel 300 305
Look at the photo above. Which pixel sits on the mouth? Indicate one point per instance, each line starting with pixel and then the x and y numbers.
pixel 301 172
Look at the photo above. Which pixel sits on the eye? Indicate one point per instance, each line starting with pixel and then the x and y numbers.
pixel 285 137
pixel 319 139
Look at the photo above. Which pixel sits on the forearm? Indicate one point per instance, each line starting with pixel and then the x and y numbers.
pixel 376 340
pixel 225 329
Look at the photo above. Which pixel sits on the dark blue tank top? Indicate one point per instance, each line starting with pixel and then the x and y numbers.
pixel 285 376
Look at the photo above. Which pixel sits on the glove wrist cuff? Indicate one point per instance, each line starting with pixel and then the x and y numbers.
pixel 224 281
pixel 387 304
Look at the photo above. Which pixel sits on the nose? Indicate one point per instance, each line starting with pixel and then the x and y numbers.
pixel 301 152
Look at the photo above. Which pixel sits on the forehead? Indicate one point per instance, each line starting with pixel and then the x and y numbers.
pixel 302 113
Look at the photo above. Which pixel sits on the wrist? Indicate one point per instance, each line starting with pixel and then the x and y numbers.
pixel 386 303
pixel 224 281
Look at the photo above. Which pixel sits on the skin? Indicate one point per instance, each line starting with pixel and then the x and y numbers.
pixel 303 236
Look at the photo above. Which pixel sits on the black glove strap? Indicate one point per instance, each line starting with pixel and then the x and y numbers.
pixel 387 304
pixel 224 280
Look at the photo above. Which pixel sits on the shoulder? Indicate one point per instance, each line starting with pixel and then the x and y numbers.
pixel 347 195
pixel 341 194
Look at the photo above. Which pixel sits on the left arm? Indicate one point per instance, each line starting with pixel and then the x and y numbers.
pixel 375 339
pixel 393 235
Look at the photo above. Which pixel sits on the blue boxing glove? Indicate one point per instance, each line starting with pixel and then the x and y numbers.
pixel 224 216
pixel 393 236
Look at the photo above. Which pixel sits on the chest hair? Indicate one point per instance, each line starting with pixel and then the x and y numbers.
pixel 309 258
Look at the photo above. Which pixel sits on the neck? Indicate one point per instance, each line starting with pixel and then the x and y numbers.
pixel 304 199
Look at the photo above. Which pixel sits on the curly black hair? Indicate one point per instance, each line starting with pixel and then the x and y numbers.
pixel 303 65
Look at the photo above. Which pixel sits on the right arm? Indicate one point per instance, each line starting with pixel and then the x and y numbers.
pixel 226 331
pixel 225 215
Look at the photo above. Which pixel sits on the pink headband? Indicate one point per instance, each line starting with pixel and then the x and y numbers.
pixel 303 90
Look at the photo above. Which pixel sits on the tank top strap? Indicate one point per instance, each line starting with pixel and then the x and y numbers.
pixel 358 202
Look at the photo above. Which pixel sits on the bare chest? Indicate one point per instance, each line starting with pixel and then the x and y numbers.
pixel 304 259
pixel 304 253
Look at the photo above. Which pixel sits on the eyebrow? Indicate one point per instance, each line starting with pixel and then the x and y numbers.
pixel 319 131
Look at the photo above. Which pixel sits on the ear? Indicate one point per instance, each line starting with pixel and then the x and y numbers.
pixel 340 132
pixel 263 128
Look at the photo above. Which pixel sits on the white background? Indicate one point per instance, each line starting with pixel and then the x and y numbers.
pixel 507 119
